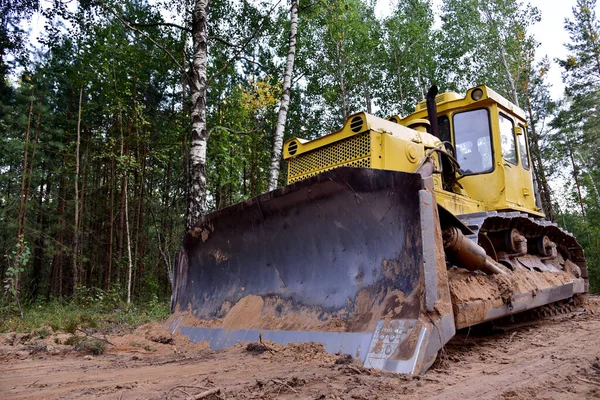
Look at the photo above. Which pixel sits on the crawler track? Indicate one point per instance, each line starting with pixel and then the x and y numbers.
pixel 535 284
pixel 493 221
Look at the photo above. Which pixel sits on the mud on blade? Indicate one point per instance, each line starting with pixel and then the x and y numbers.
pixel 338 258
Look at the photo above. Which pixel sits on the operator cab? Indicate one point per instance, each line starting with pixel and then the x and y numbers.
pixel 486 134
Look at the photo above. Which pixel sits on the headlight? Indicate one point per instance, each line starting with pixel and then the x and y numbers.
pixel 477 94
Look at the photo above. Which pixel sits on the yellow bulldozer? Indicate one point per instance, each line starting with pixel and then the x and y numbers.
pixel 390 235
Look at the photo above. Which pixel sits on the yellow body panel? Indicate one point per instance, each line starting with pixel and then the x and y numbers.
pixel 371 142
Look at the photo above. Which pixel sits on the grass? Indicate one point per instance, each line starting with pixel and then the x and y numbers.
pixel 90 346
pixel 62 316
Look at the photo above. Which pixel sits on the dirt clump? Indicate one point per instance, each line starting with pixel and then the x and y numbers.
pixel 256 348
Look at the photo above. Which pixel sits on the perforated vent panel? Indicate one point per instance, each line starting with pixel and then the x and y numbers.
pixel 354 151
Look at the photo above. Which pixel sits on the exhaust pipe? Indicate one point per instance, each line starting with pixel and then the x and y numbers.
pixel 432 110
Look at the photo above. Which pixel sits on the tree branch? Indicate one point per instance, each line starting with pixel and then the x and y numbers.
pixel 181 69
pixel 231 130
pixel 224 41
pixel 300 76
pixel 253 62
pixel 161 24
pixel 241 47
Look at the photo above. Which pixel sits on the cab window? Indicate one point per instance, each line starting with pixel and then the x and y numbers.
pixel 522 139
pixel 444 128
pixel 473 141
pixel 507 140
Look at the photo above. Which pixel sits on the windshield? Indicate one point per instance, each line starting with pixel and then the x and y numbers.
pixel 473 141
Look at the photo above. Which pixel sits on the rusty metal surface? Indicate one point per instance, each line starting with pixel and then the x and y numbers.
pixel 348 245
pixel 316 243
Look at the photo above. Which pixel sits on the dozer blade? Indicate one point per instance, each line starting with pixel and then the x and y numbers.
pixel 351 258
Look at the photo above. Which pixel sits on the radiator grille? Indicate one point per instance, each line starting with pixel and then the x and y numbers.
pixel 354 151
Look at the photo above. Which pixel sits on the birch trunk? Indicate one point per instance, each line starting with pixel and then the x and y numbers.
pixel 285 98
pixel 342 83
pixel 195 207
pixel 502 53
pixel 130 267
pixel 509 77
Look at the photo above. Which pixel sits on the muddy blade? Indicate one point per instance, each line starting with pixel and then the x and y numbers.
pixel 337 258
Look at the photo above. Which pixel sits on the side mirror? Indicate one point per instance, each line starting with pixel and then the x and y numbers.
pixel 518 130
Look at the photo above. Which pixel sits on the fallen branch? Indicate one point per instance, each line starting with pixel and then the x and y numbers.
pixel 180 388
pixel 94 337
pixel 277 381
pixel 204 395
pixel 261 342
pixel 587 381
pixel 33 383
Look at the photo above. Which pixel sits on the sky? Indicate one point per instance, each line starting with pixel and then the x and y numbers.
pixel 549 32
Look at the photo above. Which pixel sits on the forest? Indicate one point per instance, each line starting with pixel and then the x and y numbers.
pixel 124 122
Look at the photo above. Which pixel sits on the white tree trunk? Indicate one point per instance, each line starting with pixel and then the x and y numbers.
pixel 285 98
pixel 196 203
pixel 130 267
pixel 509 77
pixel 345 111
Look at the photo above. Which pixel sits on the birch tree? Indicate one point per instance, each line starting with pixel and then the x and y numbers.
pixel 196 196
pixel 487 41
pixel 285 98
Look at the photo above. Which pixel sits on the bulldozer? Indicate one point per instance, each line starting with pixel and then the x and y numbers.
pixel 390 235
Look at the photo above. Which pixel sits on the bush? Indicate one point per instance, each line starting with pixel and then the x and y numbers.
pixel 102 314
pixel 43 332
pixel 72 340
pixel 90 346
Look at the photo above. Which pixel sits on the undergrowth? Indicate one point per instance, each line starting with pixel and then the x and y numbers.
pixel 91 311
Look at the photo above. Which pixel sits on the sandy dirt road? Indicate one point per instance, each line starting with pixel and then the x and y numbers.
pixel 553 358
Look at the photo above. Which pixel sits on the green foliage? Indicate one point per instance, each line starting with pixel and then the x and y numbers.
pixel 410 56
pixel 17 262
pixel 43 332
pixel 72 340
pixel 575 141
pixel 90 345
pixel 16 265
pixel 100 299
pixel 69 317
pixel 487 41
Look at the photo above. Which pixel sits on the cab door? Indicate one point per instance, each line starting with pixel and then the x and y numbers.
pixel 526 172
pixel 513 177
